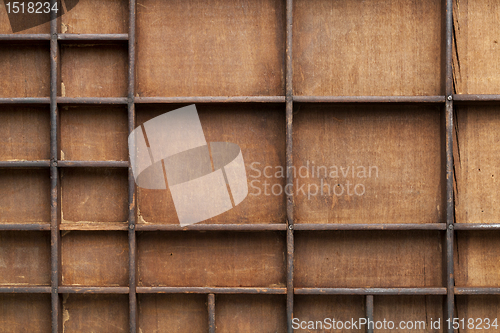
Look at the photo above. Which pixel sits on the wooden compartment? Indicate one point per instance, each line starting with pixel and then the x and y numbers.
pixel 94 258
pixel 172 313
pixel 331 259
pixel 380 164
pixel 476 56
pixel 95 313
pixel 24 133
pixel 211 259
pixel 6 28
pixel 94 133
pixel 367 47
pixel 25 195
pixel 250 313
pixel 476 152
pixel 319 307
pixel 24 258
pixel 259 130
pixel 93 71
pixel 25 312
pixel 478 308
pixel 96 17
pixel 477 259
pixel 205 48
pixel 94 195
pixel 25 71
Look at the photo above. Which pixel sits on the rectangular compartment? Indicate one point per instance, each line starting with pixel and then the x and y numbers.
pixel 23 21
pixel 477 259
pixel 259 131
pixel 24 258
pixel 25 71
pixel 367 47
pixel 24 133
pixel 370 164
pixel 25 195
pixel 172 313
pixel 94 258
pixel 314 308
pixel 94 71
pixel 476 47
pixel 96 17
pixel 250 313
pixel 476 147
pixel 94 133
pixel 25 312
pixel 480 313
pixel 211 259
pixel 210 48
pixel 332 259
pixel 95 313
pixel 94 195
pixel 409 313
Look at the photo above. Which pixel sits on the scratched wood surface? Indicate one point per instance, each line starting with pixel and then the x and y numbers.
pixel 368 259
pixel 94 313
pixel 250 313
pixel 211 259
pixel 388 47
pixel 94 258
pixel 476 147
pixel 476 57
pixel 93 71
pixel 367 164
pixel 25 71
pixel 172 313
pixel 205 48
pixel 94 134
pixel 24 258
pixel 25 313
pixel 260 133
pixel 478 306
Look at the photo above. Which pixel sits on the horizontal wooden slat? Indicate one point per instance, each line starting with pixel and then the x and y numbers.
pixel 209 290
pixel 369 99
pixel 369 226
pixel 370 291
pixel 211 227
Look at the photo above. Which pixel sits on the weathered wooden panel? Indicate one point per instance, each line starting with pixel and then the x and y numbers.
pixel 319 307
pixel 94 195
pixel 25 195
pixel 250 313
pixel 25 71
pixel 5 27
pixel 368 259
pixel 409 313
pixel 93 71
pixel 260 133
pixel 94 313
pixel 96 17
pixel 24 133
pixel 476 153
pixel 94 133
pixel 204 48
pixel 24 258
pixel 212 259
pixel 476 57
pixel 477 259
pixel 94 258
pixel 172 313
pixel 478 308
pixel 388 47
pixel 25 313
pixel 367 164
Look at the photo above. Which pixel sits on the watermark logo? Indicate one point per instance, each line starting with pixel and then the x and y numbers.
pixel 28 14
pixel 205 179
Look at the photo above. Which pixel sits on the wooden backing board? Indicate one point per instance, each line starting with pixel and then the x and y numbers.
pixel 367 164
pixel 211 259
pixel 389 47
pixel 259 130
pixel 25 313
pixel 367 259
pixel 478 307
pixel 210 48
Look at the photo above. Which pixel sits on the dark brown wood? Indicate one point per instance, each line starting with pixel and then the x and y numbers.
pixel 370 226
pixel 476 291
pixel 369 311
pixel 92 100
pixel 211 99
pixel 211 227
pixel 93 290
pixel 370 291
pixel 370 99
pixel 92 37
pixel 211 290
pixel 25 312
pixel 211 313
pixel 25 100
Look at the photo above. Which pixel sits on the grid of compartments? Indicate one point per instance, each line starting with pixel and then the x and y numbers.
pixel 405 93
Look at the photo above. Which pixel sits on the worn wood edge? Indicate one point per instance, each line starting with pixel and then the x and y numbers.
pixel 92 290
pixel 92 100
pixel 476 291
pixel 210 227
pixel 94 226
pixel 375 226
pixel 25 289
pixel 210 99
pixel 27 226
pixel 25 164
pixel 210 290
pixel 25 100
pixel 93 164
pixel 369 99
pixel 370 291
